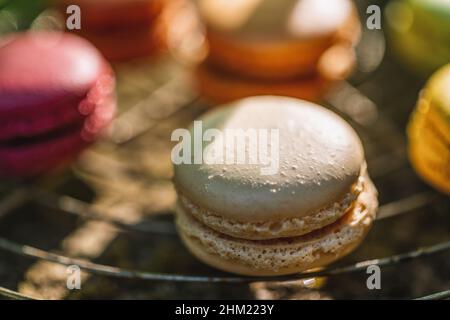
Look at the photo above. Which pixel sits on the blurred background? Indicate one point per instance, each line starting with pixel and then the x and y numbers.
pixel 114 205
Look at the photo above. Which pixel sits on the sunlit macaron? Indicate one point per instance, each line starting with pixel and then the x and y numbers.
pixel 276 39
pixel 429 132
pixel 314 205
pixel 419 31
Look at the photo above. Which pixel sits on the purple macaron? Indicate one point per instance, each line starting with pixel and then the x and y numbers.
pixel 56 97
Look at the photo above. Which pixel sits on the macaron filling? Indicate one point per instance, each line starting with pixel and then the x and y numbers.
pixel 282 228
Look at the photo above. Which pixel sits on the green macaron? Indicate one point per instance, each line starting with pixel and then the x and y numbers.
pixel 419 31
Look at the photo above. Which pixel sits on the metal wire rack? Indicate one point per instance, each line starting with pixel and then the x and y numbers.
pixel 126 192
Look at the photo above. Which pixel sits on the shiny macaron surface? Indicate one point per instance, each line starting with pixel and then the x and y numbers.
pixel 320 157
pixel 39 70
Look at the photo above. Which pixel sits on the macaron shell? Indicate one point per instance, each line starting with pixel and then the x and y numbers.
pixel 65 113
pixel 267 19
pixel 429 132
pixel 38 124
pixel 441 126
pixel 429 151
pixel 280 257
pixel 33 160
pixel 434 170
pixel 31 80
pixel 218 87
pixel 277 58
pixel 265 61
pixel 432 149
pixel 422 134
pixel 437 92
pixel 320 158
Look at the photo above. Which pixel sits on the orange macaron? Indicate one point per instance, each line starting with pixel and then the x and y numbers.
pixel 276 39
pixel 296 48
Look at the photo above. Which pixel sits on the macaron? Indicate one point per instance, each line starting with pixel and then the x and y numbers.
pixel 418 28
pixel 122 29
pixel 429 132
pixel 56 97
pixel 296 48
pixel 313 207
pixel 276 39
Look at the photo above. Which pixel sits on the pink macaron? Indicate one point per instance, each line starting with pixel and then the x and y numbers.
pixel 56 97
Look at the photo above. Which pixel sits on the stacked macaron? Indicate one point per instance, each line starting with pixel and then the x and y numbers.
pixel 314 205
pixel 56 96
pixel 122 29
pixel 420 32
pixel 292 48
pixel 429 132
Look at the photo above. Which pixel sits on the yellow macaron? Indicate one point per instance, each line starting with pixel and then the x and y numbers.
pixel 315 207
pixel 429 132
pixel 295 48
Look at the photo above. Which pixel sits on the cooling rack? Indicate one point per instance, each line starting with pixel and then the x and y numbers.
pixel 119 195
